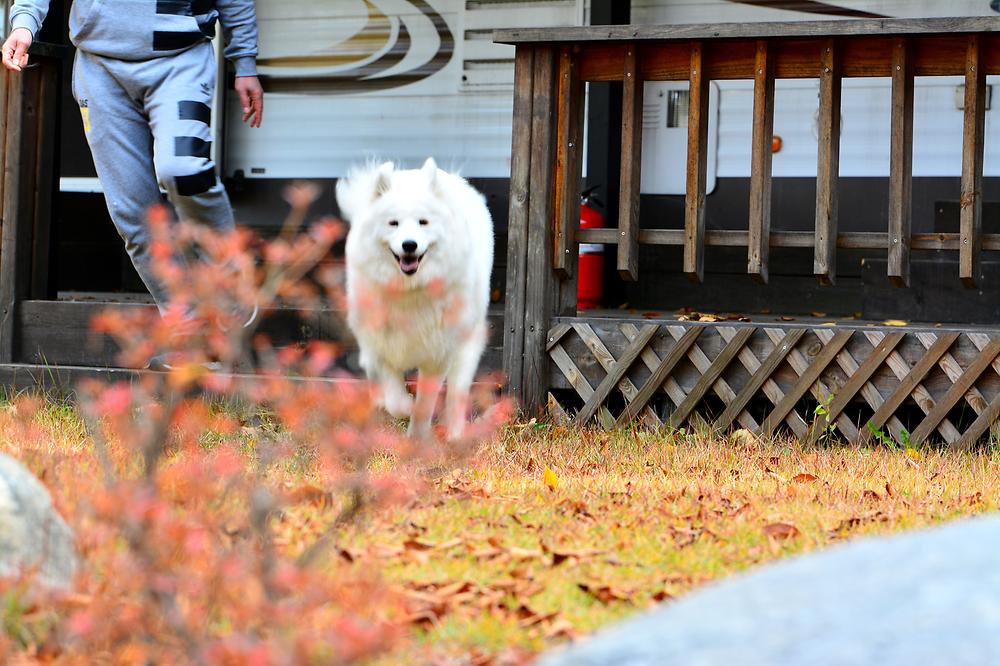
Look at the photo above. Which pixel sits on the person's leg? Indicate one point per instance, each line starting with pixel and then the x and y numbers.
pixel 122 146
pixel 179 105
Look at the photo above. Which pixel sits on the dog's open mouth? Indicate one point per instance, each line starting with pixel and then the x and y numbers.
pixel 408 263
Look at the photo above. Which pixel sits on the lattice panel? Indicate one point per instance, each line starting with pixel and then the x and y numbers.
pixel 910 384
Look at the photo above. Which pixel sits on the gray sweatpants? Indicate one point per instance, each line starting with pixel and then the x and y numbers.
pixel 148 125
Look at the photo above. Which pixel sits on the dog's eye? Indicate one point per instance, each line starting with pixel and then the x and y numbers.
pixel 393 223
pixel 424 223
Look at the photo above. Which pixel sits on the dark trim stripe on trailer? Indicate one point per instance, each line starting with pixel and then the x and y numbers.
pixel 810 7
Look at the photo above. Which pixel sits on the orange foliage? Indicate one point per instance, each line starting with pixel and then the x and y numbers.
pixel 175 504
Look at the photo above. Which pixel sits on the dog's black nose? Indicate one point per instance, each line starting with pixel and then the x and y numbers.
pixel 409 246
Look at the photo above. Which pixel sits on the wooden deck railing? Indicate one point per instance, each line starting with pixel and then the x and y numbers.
pixel 553 64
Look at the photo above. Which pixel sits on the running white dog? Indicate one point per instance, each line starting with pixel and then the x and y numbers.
pixel 419 257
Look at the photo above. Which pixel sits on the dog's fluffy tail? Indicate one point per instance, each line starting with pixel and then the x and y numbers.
pixel 359 188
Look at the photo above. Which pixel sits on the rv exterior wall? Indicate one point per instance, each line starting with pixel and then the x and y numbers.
pixel 445 89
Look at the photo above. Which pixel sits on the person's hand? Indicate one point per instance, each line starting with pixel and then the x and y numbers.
pixel 251 97
pixel 15 49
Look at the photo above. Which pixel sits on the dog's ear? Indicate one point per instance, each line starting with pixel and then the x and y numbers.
pixel 430 170
pixel 383 179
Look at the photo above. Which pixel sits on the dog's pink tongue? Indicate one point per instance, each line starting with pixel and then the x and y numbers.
pixel 409 264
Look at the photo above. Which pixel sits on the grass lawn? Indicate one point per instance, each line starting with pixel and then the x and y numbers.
pixel 548 533
pixel 498 562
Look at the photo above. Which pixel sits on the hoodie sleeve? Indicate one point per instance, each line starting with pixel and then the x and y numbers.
pixel 29 14
pixel 239 25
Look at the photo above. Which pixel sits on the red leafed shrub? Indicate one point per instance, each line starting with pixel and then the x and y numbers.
pixel 179 488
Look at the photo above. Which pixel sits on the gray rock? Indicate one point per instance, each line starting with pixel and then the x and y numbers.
pixel 930 597
pixel 31 532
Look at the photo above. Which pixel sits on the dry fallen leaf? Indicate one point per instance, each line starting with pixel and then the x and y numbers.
pixel 529 617
pixel 561 555
pixel 781 531
pixel 661 597
pixel 604 593
pixel 311 495
pixel 804 478
pixel 561 629
pixel 551 480
pixel 871 495
pixel 896 322
pixel 416 544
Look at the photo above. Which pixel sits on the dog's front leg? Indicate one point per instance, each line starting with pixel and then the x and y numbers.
pixel 460 378
pixel 428 389
pixel 395 398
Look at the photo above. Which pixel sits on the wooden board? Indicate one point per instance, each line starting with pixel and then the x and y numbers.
pixel 828 169
pixel 697 168
pixel 750 31
pixel 569 168
pixel 541 285
pixel 863 56
pixel 901 164
pixel 517 223
pixel 19 178
pixel 59 333
pixel 631 174
pixel 759 235
pixel 973 148
pixel 854 240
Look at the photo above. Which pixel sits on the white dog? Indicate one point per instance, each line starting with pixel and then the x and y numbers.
pixel 419 257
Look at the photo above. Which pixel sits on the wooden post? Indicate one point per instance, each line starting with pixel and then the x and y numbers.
pixel 20 161
pixel 901 164
pixel 760 165
pixel 697 167
pixel 541 285
pixel 971 216
pixel 46 175
pixel 517 226
pixel 628 211
pixel 828 173
pixel 568 176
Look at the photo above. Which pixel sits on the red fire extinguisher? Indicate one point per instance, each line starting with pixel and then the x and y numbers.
pixel 590 275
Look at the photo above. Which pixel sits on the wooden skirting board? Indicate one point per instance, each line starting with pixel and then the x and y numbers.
pixel 853 382
pixel 58 333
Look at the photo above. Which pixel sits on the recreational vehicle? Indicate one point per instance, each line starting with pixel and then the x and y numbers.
pixel 349 80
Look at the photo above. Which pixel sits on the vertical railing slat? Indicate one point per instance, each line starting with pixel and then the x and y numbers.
pixel 631 170
pixel 971 216
pixel 569 165
pixel 760 165
pixel 697 167
pixel 568 176
pixel 828 171
pixel 901 164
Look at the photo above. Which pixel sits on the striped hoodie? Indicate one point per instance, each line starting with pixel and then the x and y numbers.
pixel 145 29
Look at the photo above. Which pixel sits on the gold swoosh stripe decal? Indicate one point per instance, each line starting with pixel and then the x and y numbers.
pixel 369 77
pixel 363 45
